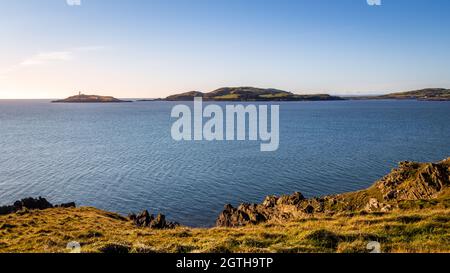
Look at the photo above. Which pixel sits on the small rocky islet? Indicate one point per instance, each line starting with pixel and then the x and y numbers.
pixel 82 98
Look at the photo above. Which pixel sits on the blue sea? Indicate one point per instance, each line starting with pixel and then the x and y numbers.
pixel 121 157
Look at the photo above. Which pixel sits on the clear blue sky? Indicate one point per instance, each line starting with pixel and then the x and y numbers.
pixel 151 48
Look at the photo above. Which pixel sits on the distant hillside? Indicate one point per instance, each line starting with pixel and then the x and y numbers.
pixel 428 94
pixel 249 94
pixel 81 98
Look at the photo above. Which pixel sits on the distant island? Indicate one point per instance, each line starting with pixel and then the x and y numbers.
pixel 249 94
pixel 428 94
pixel 82 98
pixel 271 94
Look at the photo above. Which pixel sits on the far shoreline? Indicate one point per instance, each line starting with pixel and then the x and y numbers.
pixel 251 94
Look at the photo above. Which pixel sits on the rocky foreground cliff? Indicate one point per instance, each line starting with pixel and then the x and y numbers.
pixel 408 210
pixel 409 183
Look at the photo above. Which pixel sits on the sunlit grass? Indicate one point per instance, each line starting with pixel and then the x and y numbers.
pixel 425 230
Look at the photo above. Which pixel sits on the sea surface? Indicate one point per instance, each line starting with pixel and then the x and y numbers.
pixel 121 157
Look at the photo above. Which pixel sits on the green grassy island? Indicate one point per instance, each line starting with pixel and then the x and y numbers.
pixel 249 94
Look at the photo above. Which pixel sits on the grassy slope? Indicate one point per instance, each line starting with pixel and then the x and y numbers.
pixel 414 230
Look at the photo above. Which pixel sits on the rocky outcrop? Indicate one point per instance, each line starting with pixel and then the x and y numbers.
pixel 272 208
pixel 81 98
pixel 413 181
pixel 374 205
pixel 410 181
pixel 145 219
pixel 32 204
pixel 243 215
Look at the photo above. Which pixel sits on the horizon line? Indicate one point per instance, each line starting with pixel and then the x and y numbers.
pixel 312 93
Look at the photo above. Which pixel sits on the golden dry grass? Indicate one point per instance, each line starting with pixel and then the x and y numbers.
pixel 425 230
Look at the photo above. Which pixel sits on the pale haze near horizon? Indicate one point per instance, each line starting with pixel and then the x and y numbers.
pixel 150 49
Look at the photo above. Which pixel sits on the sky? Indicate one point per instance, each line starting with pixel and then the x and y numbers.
pixel 155 48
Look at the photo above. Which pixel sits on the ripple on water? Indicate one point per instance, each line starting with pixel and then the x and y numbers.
pixel 122 158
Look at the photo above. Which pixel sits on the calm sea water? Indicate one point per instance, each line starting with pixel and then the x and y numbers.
pixel 121 157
